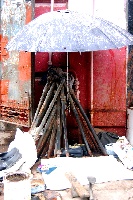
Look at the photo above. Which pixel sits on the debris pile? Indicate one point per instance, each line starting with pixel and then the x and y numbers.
pixel 49 126
pixel 21 154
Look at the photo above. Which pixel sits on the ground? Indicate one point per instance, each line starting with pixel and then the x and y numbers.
pixel 115 190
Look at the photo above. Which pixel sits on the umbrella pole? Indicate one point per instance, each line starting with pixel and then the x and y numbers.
pixel 91 88
pixel 67 76
pixel 50 60
pixel 50 53
pixel 52 5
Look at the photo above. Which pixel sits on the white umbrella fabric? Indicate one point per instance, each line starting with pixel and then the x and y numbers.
pixel 69 31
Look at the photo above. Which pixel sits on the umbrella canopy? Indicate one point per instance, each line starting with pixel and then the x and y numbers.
pixel 69 31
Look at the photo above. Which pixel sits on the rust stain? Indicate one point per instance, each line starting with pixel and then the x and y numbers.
pixel 28 13
pixel 109 119
pixel 3 52
pixel 15 112
pixel 24 66
pixel 4 84
pixel 15 67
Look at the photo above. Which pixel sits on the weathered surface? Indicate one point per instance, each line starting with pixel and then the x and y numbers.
pixel 6 138
pixel 15 67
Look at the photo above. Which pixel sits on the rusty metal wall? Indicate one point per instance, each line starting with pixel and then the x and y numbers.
pixel 16 71
pixel 109 103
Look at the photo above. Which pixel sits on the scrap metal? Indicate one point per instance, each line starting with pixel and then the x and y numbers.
pixel 49 127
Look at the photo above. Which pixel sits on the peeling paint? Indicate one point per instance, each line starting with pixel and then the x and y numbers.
pixel 15 74
pixel 13 16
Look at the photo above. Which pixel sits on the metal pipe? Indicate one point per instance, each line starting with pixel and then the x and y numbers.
pixel 44 138
pixel 45 105
pixel 50 119
pixel 63 100
pixel 52 5
pixel 89 136
pixel 87 120
pixel 92 85
pixel 92 66
pixel 52 141
pixel 45 90
pixel 58 121
pixel 50 53
pixel 51 106
pixel 79 124
pixel 45 148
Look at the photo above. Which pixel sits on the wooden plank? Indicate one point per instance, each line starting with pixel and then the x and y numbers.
pixel 76 186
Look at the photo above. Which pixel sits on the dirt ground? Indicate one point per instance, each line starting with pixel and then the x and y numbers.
pixel 115 190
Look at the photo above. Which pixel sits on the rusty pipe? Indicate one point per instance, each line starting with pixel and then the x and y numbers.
pixel 89 136
pixel 52 115
pixel 58 122
pixel 79 124
pixel 44 105
pixel 52 141
pixel 51 106
pixel 44 138
pixel 87 120
pixel 63 100
pixel 45 90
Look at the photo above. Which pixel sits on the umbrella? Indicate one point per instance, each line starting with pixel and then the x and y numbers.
pixel 69 31
pixel 65 31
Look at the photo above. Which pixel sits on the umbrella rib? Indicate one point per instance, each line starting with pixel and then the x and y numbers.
pixel 118 29
pixel 107 38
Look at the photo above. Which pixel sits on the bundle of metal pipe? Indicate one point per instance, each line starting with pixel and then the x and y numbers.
pixel 49 126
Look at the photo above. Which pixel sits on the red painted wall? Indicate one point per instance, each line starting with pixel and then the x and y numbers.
pixel 110 90
pixel 109 87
